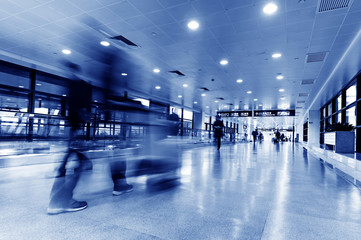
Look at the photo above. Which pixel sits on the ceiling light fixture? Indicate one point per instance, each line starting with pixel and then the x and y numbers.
pixel 281 90
pixel 223 62
pixel 66 51
pixel 179 96
pixel 124 74
pixel 270 8
pixel 255 99
pixel 276 55
pixel 216 101
pixel 239 80
pixel 185 85
pixel 249 92
pixel 156 70
pixel 203 94
pixel 195 102
pixel 157 87
pixel 193 25
pixel 279 77
pixel 105 43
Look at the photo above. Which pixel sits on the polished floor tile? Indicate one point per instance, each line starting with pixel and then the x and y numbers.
pixel 244 191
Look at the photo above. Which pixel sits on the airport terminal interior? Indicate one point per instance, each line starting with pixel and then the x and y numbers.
pixel 180 119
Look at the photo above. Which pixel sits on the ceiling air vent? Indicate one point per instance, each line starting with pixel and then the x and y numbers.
pixel 205 89
pixel 329 5
pixel 303 95
pixel 307 81
pixel 298 107
pixel 177 72
pixel 220 98
pixel 301 101
pixel 316 57
pixel 124 40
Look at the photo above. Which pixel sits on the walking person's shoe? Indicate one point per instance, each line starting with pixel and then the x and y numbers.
pixel 73 207
pixel 122 189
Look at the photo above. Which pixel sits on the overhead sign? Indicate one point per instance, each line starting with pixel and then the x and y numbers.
pixel 236 114
pixel 258 113
pixel 274 113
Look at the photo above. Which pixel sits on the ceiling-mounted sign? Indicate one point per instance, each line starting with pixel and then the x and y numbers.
pixel 236 114
pixel 274 113
pixel 258 113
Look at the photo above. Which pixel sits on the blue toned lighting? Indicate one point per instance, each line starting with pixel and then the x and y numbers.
pixel 193 25
pixel 66 51
pixel 223 62
pixel 276 55
pixel 270 8
pixel 105 43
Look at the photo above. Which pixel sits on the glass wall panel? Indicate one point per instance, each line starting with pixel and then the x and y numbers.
pixel 351 94
pixel 338 103
pixel 329 106
pixel 14 80
pixel 351 116
pixel 338 118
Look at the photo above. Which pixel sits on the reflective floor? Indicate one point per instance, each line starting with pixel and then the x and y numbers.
pixel 243 191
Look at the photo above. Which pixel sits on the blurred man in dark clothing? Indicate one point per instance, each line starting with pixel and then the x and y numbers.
pixel 218 130
pixel 79 105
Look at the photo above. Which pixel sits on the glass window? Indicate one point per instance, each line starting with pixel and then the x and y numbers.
pixel 338 103
pixel 188 115
pixel 351 116
pixel 351 94
pixel 323 112
pixel 21 81
pixel 329 107
pixel 338 118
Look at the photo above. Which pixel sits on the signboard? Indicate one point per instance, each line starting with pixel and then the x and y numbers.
pixel 236 114
pixel 274 113
pixel 259 113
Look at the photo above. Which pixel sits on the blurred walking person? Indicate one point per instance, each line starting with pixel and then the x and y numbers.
pixel 218 130
pixel 79 106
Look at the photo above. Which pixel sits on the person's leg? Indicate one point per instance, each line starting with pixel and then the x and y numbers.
pixel 61 196
pixel 118 170
pixel 219 142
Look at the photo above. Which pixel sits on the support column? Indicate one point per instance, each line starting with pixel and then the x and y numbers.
pixel 31 103
pixel 314 128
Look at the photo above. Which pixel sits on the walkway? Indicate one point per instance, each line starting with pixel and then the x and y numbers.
pixel 244 191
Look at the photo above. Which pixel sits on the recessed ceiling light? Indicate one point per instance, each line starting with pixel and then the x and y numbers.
pixel 195 102
pixel 124 74
pixel 179 96
pixel 276 55
pixel 283 98
pixel 223 62
pixel 64 95
pixel 156 70
pixel 193 25
pixel 260 105
pixel 203 94
pixel 21 86
pixel 279 77
pixel 270 8
pixel 281 90
pixel 216 101
pixel 255 99
pixel 157 87
pixel 38 84
pixel 207 106
pixel 249 92
pixel 239 80
pixel 105 43
pixel 185 85
pixel 66 51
